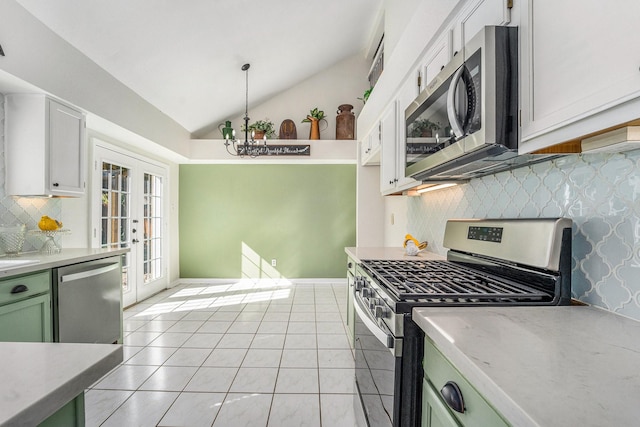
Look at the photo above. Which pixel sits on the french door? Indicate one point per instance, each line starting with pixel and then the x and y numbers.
pixel 129 213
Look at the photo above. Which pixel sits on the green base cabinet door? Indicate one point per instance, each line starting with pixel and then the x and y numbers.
pixel 439 374
pixel 434 412
pixel 25 308
pixel 70 415
pixel 26 321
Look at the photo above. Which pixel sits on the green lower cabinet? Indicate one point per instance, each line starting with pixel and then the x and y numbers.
pixel 70 415
pixel 27 320
pixel 434 412
pixel 438 371
pixel 25 308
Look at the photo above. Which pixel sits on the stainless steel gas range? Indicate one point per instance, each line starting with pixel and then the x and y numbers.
pixel 489 262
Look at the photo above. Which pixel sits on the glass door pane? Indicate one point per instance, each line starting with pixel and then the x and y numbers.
pixel 152 237
pixel 116 213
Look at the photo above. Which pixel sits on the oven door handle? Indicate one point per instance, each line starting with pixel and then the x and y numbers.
pixel 386 338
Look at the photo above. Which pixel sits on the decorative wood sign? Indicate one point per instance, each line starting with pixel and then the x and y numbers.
pixel 277 150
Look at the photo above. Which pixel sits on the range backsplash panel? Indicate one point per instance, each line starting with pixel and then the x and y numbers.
pixel 600 192
pixel 23 210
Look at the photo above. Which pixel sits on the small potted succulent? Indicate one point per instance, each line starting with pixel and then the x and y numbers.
pixel 314 117
pixel 262 128
pixel 423 128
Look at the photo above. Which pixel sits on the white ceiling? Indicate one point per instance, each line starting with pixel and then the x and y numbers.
pixel 184 57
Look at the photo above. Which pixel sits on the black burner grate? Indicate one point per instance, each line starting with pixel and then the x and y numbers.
pixel 413 280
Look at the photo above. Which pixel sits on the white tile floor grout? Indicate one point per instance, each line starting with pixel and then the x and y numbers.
pixel 242 353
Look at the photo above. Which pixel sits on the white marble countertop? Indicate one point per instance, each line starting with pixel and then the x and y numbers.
pixel 47 261
pixel 40 378
pixel 360 253
pixel 544 366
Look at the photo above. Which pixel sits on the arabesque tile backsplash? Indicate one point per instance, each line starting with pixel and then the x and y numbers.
pixel 599 192
pixel 22 210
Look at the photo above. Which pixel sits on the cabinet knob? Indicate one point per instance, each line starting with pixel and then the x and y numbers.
pixel 55 184
pixel 453 396
pixel 135 241
pixel 349 265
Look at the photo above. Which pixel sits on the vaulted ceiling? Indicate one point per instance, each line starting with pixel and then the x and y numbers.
pixel 185 57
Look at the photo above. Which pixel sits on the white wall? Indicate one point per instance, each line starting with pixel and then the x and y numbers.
pixel 396 15
pixel 370 212
pixel 38 56
pixel 339 84
pixel 395 220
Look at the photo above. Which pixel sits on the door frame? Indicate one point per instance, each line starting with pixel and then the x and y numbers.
pixel 95 210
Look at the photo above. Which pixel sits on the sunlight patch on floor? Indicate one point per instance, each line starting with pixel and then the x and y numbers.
pixel 260 282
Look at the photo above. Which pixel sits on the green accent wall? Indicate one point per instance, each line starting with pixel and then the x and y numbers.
pixel 234 219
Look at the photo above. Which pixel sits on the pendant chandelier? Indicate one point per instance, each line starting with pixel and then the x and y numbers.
pixel 249 147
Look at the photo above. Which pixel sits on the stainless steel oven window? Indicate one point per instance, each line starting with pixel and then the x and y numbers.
pixel 377 368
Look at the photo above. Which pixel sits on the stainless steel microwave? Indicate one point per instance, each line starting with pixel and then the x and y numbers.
pixel 464 124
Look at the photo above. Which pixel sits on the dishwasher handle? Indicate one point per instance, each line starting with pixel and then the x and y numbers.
pixel 89 273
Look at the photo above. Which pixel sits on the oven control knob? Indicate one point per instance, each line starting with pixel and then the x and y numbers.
pixel 359 283
pixel 380 312
pixel 373 303
pixel 366 293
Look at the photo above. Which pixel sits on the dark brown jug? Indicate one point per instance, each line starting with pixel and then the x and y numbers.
pixel 345 122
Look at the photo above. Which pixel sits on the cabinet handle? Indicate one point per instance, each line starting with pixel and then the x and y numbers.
pixel 55 184
pixel 349 265
pixel 18 289
pixel 453 396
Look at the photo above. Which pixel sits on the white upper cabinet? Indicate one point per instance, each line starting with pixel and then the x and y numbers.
pixel 392 158
pixel 580 68
pixel 437 57
pixel 370 147
pixel 44 147
pixel 388 173
pixel 474 16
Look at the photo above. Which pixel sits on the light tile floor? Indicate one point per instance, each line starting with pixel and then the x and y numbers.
pixel 232 354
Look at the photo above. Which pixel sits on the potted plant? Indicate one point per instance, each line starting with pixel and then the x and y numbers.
pixel 423 128
pixel 314 117
pixel 365 96
pixel 262 128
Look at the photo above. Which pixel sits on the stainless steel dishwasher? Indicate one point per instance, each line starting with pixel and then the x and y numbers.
pixel 88 302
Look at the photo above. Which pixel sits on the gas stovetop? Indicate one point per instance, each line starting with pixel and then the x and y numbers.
pixel 445 281
pixel 490 261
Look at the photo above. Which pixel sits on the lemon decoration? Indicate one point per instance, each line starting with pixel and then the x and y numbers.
pixel 49 224
pixel 409 238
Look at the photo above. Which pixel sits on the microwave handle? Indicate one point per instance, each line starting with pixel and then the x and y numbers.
pixel 456 126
